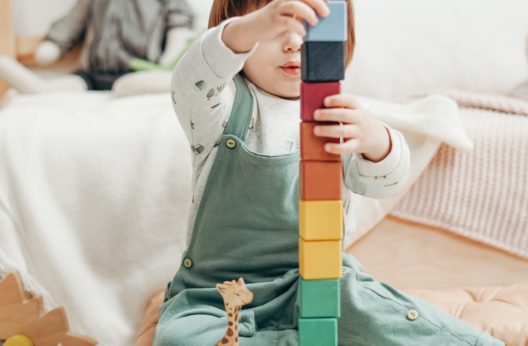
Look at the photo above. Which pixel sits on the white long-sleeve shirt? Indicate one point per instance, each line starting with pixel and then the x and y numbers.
pixel 203 93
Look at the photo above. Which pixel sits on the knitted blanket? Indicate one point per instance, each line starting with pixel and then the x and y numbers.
pixel 481 194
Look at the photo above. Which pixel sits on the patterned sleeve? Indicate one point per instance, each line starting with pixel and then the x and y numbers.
pixel 383 179
pixel 179 14
pixel 70 29
pixel 203 90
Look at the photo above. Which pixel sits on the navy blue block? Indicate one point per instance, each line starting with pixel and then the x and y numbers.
pixel 323 61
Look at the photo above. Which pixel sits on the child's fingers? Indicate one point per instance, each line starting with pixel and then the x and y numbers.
pixel 319 6
pixel 343 115
pixel 294 25
pixel 352 145
pixel 299 9
pixel 337 131
pixel 342 100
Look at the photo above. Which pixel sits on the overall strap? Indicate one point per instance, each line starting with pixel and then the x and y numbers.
pixel 240 117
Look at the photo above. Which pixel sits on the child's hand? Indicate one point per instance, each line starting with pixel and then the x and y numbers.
pixel 272 20
pixel 361 132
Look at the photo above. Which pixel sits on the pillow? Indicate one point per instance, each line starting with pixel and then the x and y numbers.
pixel 521 92
pixel 408 47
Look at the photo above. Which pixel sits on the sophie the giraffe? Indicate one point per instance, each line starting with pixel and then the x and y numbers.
pixel 236 295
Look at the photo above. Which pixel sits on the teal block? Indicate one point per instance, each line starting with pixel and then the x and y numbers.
pixel 318 332
pixel 332 28
pixel 320 298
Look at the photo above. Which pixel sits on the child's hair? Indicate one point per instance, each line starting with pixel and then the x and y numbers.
pixel 224 9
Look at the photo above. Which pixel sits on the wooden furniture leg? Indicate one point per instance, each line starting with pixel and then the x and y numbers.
pixel 7 36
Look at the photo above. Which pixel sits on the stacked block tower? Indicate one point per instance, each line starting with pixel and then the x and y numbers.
pixel 320 206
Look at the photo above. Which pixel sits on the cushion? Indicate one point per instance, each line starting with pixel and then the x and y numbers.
pixel 408 47
pixel 479 194
pixel 501 311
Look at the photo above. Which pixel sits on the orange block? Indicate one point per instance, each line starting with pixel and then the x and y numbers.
pixel 320 260
pixel 320 180
pixel 312 146
pixel 321 220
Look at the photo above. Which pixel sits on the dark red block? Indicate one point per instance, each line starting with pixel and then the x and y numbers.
pixel 313 95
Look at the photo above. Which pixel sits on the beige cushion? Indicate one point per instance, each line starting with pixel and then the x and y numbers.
pixel 501 311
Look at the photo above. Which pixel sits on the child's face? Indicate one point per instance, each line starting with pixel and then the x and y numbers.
pixel 275 66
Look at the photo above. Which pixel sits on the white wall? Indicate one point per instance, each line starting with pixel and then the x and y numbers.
pixel 202 8
pixel 33 17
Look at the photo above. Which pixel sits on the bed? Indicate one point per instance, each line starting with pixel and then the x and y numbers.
pixel 99 185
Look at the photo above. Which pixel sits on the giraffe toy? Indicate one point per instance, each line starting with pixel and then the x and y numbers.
pixel 235 295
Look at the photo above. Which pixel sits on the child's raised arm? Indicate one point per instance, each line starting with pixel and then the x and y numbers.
pixel 203 89
pixel 272 20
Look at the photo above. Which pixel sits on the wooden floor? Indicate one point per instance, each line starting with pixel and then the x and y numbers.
pixel 409 255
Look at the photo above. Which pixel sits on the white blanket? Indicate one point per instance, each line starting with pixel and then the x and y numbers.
pixel 480 195
pixel 94 196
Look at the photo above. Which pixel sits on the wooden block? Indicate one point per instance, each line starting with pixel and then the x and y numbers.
pixel 312 146
pixel 323 61
pixel 320 180
pixel 320 298
pixel 321 220
pixel 318 332
pixel 320 260
pixel 332 28
pixel 313 95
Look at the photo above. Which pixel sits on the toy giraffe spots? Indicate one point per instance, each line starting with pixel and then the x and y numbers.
pixel 236 295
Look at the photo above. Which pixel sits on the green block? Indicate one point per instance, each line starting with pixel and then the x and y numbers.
pixel 317 332
pixel 320 298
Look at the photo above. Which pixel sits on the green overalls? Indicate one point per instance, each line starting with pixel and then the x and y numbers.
pixel 247 226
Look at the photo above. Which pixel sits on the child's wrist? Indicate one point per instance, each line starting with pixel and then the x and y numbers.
pixel 237 36
pixel 383 151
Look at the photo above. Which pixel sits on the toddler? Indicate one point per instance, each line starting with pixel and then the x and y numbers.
pixel 236 94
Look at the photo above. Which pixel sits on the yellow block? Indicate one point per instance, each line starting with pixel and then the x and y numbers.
pixel 320 260
pixel 321 220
